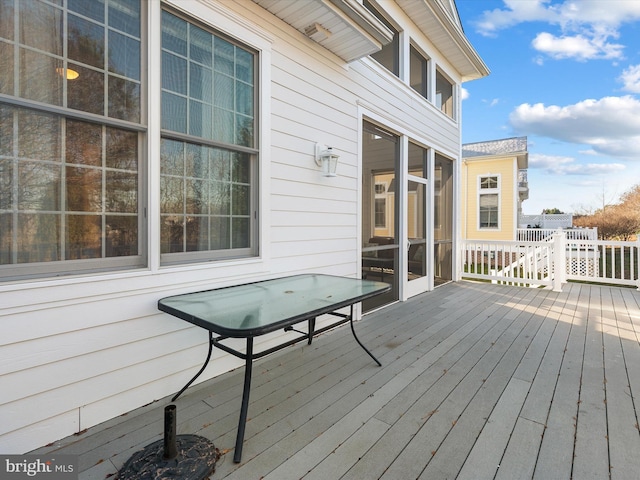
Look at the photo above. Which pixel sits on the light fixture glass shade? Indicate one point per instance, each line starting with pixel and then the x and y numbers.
pixel 329 165
pixel 327 160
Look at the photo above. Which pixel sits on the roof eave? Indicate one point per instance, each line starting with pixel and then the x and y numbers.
pixel 344 27
pixel 467 61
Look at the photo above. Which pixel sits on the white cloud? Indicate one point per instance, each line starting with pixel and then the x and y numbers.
pixel 516 12
pixel 603 17
pixel 559 165
pixel 610 126
pixel 586 26
pixel 464 93
pixel 631 79
pixel 492 103
pixel 588 152
pixel 578 46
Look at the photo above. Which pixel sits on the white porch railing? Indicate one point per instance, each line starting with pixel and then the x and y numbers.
pixel 552 262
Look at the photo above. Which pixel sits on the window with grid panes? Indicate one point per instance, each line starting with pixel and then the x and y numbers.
pixel 489 202
pixel 208 152
pixel 70 135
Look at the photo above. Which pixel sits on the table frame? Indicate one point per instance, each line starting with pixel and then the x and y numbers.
pixel 249 355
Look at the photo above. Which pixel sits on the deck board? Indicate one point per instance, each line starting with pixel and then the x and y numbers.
pixel 623 437
pixel 555 457
pixel 591 447
pixel 479 381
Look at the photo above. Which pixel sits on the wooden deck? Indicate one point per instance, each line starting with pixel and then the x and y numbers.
pixel 478 382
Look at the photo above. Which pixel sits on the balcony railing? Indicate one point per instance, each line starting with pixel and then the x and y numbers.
pixel 522 179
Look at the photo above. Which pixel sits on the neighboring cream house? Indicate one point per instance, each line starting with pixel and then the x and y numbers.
pixel 494 185
pixel 151 148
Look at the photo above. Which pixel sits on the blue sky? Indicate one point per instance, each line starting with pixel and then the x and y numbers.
pixel 566 74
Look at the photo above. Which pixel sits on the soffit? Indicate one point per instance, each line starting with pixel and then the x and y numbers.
pixel 347 28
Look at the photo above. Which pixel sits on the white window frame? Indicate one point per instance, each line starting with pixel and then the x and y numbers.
pixel 382 196
pixel 437 100
pixel 426 77
pixel 68 267
pixel 219 18
pixel 252 251
pixel 489 191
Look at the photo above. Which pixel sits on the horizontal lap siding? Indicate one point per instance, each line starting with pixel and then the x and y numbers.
pixel 75 353
pixel 308 109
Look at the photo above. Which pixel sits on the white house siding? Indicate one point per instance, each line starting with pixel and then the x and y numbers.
pixel 77 351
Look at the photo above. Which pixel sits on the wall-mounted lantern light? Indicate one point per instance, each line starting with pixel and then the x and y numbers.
pixel 327 159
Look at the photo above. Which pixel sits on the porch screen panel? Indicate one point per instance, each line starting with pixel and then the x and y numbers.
pixel 443 219
pixel 416 212
pixel 380 218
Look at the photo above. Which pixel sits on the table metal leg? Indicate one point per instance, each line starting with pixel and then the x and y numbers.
pixel 237 456
pixel 206 362
pixel 358 340
pixel 311 330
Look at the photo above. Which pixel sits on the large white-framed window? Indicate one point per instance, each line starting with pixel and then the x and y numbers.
pixel 209 171
pixel 74 165
pixel 72 88
pixel 489 202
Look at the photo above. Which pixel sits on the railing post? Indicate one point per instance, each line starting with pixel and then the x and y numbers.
pixel 559 260
pixel 637 265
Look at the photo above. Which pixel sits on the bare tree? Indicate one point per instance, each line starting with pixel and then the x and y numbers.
pixel 620 221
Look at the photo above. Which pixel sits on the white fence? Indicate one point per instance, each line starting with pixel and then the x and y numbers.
pixel 546 234
pixel 547 220
pixel 552 262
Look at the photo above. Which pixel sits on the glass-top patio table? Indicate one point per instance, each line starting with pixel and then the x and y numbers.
pixel 254 309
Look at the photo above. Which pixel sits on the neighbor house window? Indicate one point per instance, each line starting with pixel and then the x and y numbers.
pixel 444 94
pixel 208 158
pixel 380 205
pixel 419 72
pixel 389 56
pixel 70 134
pixel 489 202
